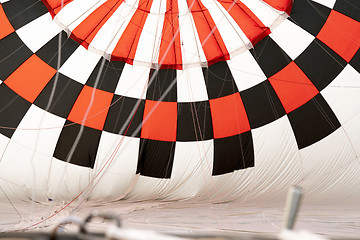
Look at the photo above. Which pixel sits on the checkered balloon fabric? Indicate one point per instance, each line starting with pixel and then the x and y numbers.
pixel 178 99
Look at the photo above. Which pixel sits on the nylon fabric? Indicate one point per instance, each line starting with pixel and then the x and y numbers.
pixel 262 118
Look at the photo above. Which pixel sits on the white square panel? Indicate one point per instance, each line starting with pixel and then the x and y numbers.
pixel 133 81
pixel 118 153
pixel 291 38
pixel 80 65
pixel 38 32
pixel 191 85
pixel 246 71
pixel 66 181
pixel 192 169
pixel 115 165
pixel 39 130
pixel 343 94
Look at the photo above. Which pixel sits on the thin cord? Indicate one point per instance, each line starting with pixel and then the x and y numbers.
pixel 11 203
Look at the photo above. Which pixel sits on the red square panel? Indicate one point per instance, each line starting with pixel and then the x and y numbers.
pixel 292 87
pixel 5 26
pixel 30 78
pixel 228 116
pixel 91 112
pixel 159 121
pixel 342 34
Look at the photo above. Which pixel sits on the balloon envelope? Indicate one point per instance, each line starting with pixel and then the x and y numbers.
pixel 179 99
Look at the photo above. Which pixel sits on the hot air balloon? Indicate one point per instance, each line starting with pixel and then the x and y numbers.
pixel 149 99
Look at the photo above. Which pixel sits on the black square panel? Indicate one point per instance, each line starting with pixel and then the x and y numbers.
pixel 65 94
pixel 12 110
pixel 22 12
pixel 156 158
pixel 49 52
pixel 320 64
pixel 262 105
pixel 350 8
pixel 125 116
pixel 313 121
pixel 85 149
pixel 13 52
pixel 110 75
pixel 162 85
pixel 270 57
pixel 233 153
pixel 309 15
pixel 194 122
pixel 219 80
